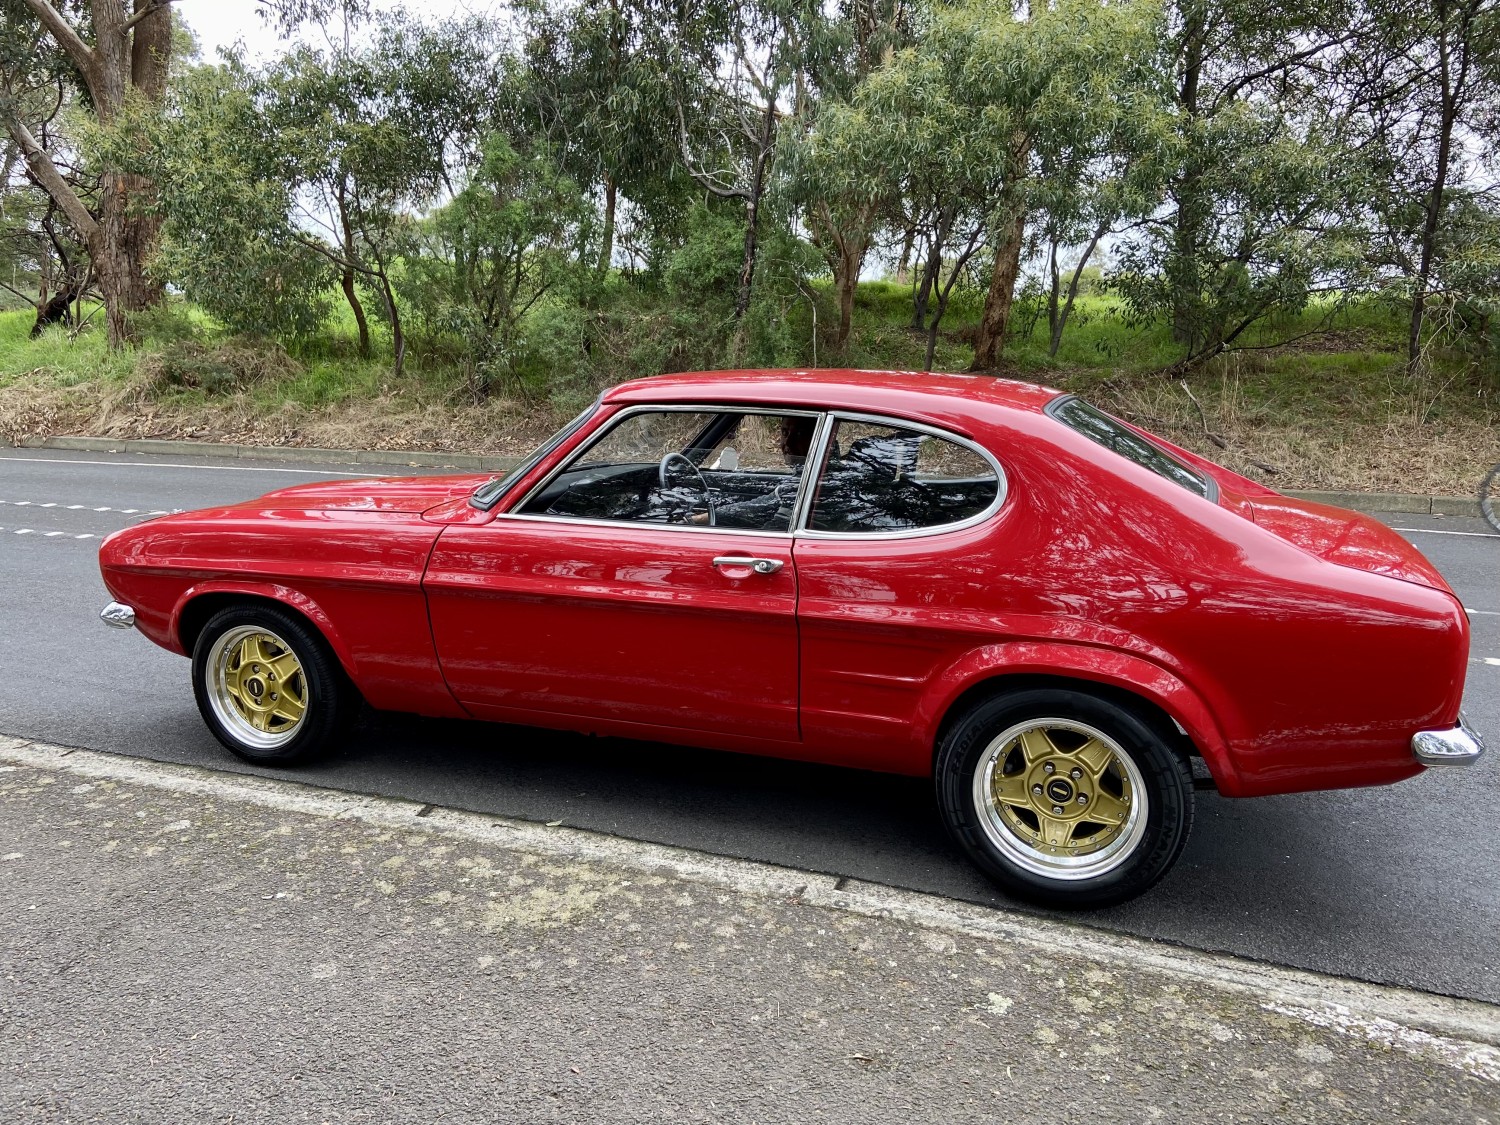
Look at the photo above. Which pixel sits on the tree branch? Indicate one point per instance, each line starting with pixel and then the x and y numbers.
pixel 81 53
pixel 151 8
pixel 47 175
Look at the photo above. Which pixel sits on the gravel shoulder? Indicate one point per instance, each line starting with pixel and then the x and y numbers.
pixel 180 945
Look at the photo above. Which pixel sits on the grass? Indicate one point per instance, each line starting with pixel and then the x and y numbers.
pixel 1335 408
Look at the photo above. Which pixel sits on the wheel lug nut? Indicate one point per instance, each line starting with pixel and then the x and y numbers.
pixel 1075 773
pixel 1036 789
pixel 1048 768
pixel 1057 810
pixel 1082 797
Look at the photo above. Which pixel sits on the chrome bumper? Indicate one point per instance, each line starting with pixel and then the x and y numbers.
pixel 1456 746
pixel 117 616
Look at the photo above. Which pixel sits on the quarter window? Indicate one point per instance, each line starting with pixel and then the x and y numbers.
pixel 887 478
pixel 1113 434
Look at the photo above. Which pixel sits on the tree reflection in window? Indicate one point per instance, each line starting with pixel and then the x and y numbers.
pixel 1112 434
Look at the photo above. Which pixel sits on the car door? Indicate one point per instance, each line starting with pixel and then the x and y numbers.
pixel 647 583
pixel 893 568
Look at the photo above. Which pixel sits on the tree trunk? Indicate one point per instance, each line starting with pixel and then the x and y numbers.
pixel 993 322
pixel 607 243
pixel 930 271
pixel 1182 271
pixel 120 248
pixel 903 267
pixel 752 216
pixel 1434 206
pixel 346 280
pixel 1067 309
pixel 851 259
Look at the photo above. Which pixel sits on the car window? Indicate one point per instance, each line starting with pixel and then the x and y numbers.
pixel 698 468
pixel 1114 434
pixel 879 477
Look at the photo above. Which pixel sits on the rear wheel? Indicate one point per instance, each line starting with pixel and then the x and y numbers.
pixel 268 686
pixel 1064 798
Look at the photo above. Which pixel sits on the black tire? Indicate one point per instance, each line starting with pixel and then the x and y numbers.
pixel 1145 845
pixel 328 700
pixel 1489 497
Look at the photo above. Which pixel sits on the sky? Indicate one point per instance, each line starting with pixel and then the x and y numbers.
pixel 220 23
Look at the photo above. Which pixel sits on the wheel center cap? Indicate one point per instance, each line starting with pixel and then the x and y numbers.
pixel 1060 790
pixel 255 688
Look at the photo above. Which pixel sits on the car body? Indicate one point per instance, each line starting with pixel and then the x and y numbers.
pixel 850 602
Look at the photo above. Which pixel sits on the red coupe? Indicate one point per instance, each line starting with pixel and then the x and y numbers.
pixel 1046 609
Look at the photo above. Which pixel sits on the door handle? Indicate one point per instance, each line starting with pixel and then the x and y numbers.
pixel 760 566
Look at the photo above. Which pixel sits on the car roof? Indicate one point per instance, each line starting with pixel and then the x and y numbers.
pixel 834 387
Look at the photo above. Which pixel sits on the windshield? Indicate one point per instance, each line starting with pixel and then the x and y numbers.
pixel 491 491
pixel 1114 434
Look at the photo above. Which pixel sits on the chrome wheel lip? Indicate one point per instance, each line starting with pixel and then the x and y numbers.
pixel 1034 860
pixel 220 700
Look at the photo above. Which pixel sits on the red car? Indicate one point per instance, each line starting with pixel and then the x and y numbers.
pixel 1048 610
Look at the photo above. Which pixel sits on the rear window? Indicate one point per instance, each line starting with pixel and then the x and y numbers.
pixel 1114 434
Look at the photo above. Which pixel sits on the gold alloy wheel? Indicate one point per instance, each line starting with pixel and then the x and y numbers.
pixel 1060 798
pixel 259 690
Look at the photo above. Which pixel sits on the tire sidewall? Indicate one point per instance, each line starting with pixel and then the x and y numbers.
pixel 1167 778
pixel 320 672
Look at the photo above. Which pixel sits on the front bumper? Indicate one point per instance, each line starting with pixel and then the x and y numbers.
pixel 1456 746
pixel 117 616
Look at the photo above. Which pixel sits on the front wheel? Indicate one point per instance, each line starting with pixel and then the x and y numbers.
pixel 1064 798
pixel 268 686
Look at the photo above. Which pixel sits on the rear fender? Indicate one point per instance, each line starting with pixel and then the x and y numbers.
pixel 272 591
pixel 1123 671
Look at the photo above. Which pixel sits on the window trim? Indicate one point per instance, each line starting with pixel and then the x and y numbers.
pixel 687 408
pixel 1210 486
pixel 824 443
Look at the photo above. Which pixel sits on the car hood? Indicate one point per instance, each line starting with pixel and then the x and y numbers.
pixel 1343 537
pixel 394 494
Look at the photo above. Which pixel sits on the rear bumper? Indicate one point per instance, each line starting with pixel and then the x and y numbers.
pixel 1456 746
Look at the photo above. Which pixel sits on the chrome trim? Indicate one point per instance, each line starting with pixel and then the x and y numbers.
pixel 117 616
pixel 760 566
pixel 1002 482
pixel 1456 746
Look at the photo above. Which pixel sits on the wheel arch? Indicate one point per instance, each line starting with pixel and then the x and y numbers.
pixel 1154 692
pixel 199 603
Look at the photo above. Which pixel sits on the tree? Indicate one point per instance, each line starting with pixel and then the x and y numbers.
pixel 512 236
pixel 116 55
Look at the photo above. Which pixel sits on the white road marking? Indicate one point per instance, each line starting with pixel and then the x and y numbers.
pixel 1314 995
pixel 1435 531
pixel 200 468
pixel 80 507
pixel 1483 612
pixel 1491 660
pixel 51 534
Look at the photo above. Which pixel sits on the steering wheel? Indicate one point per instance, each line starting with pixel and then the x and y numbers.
pixel 661 476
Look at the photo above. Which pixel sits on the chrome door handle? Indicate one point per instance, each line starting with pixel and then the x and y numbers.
pixel 760 566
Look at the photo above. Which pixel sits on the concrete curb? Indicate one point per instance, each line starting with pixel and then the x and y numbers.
pixel 1400 502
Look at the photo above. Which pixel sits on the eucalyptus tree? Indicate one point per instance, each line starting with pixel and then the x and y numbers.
pixel 511 237
pixel 1429 90
pixel 371 138
pixel 598 85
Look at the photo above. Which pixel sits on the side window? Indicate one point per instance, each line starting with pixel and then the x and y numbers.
pixel 886 478
pixel 1100 427
pixel 709 468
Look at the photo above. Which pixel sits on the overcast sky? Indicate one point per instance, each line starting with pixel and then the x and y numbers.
pixel 219 23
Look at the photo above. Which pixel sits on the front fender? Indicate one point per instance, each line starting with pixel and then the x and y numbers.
pixel 274 592
pixel 1124 671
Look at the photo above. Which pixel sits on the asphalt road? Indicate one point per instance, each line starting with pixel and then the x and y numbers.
pixel 1395 885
